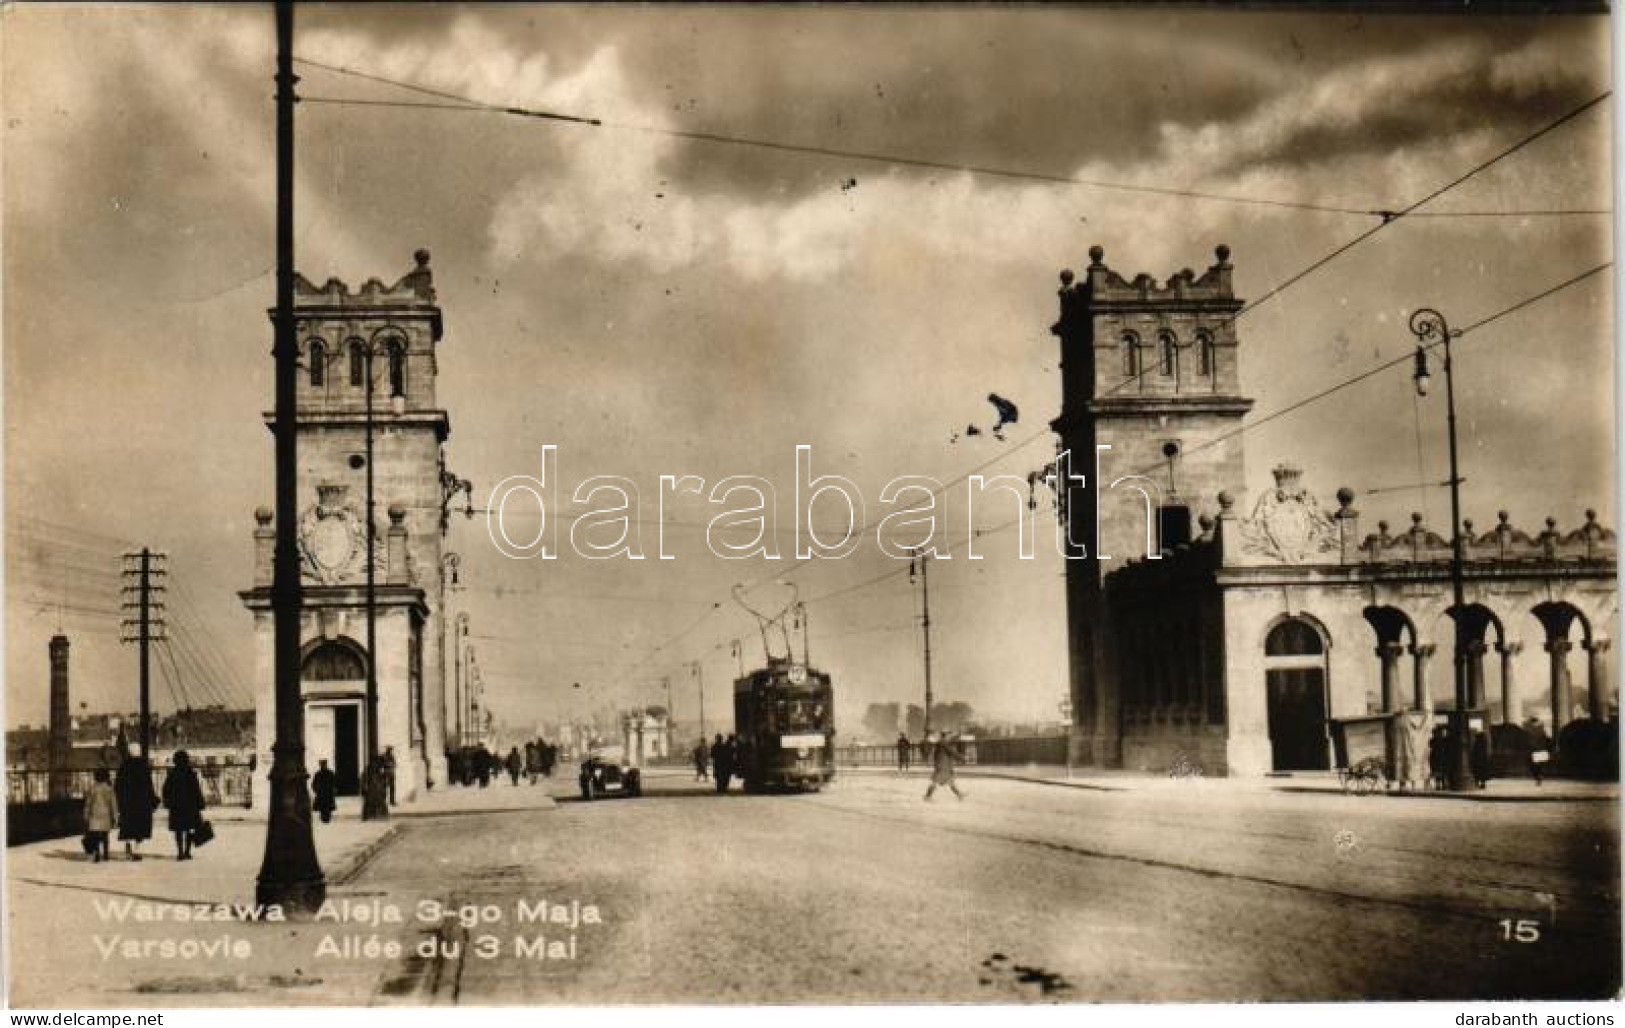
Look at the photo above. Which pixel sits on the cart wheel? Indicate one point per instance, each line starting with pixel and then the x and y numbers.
pixel 1366 784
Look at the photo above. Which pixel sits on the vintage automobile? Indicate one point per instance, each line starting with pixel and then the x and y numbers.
pixel 605 772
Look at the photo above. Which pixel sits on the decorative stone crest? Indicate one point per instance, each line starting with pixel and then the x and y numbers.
pixel 333 538
pixel 1287 523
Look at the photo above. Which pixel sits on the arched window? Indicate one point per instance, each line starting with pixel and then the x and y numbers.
pixel 1293 637
pixel 358 364
pixel 334 662
pixel 1170 354
pixel 397 368
pixel 1204 351
pixel 1131 355
pixel 317 356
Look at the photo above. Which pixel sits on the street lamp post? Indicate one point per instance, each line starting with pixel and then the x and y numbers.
pixel 1431 329
pixel 699 678
pixel 449 565
pixel 290 876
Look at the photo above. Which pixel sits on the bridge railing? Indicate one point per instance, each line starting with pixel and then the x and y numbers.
pixel 228 784
pixel 1044 749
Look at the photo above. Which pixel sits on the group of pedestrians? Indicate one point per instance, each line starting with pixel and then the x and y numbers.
pixel 128 802
pixel 470 764
pixel 729 758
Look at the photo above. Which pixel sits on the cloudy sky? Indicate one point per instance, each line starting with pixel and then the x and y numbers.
pixel 659 305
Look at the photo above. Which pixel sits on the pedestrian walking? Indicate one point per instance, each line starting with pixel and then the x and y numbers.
pixel 1479 759
pixel 903 746
pixel 482 765
pixel 944 756
pixel 1540 747
pixel 136 801
pixel 183 798
pixel 386 765
pixel 742 760
pixel 324 785
pixel 722 762
pixel 514 765
pixel 533 760
pixel 101 814
pixel 550 758
pixel 699 756
pixel 1439 758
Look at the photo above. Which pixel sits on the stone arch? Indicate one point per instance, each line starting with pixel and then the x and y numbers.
pixel 1168 354
pixel 1319 627
pixel 1131 354
pixel 1393 628
pixel 316 359
pixel 1557 620
pixel 1205 355
pixel 358 362
pixel 333 660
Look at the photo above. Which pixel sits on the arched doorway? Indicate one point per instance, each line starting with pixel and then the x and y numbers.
pixel 1295 689
pixel 335 674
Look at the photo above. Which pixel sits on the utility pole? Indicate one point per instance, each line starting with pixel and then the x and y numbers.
pixel 290 875
pixel 922 560
pixel 699 677
pixel 146 627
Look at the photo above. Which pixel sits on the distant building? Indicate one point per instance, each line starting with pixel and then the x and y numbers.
pixel 646 735
pixel 1204 628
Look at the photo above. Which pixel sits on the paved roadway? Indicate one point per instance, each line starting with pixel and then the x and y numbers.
pixel 1021 892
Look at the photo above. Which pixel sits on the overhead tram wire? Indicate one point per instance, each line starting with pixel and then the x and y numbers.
pixel 1385 365
pixel 1389 218
pixel 467 103
pixel 1290 408
pixel 459 102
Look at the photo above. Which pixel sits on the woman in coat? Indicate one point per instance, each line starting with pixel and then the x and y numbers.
pixel 101 814
pixel 944 755
pixel 136 802
pixel 183 797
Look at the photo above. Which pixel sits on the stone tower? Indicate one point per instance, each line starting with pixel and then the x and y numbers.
pixel 400 327
pixel 1149 379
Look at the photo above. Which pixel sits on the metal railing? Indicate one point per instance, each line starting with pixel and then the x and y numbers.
pixel 1045 749
pixel 224 785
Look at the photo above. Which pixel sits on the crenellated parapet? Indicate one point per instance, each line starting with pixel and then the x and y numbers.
pixel 415 287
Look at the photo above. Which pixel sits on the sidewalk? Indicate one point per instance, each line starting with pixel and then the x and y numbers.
pixel 153 933
pixel 1500 790
pixel 456 799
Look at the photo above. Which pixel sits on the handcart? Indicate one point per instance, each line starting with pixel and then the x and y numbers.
pixel 1363 751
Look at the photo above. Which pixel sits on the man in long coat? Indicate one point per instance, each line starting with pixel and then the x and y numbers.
pixel 324 787
pixel 136 801
pixel 722 763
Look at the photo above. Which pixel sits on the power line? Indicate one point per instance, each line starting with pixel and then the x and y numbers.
pixel 467 103
pixel 1388 218
pixel 1385 365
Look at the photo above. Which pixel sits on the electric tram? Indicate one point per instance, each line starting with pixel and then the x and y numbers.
pixel 784 717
